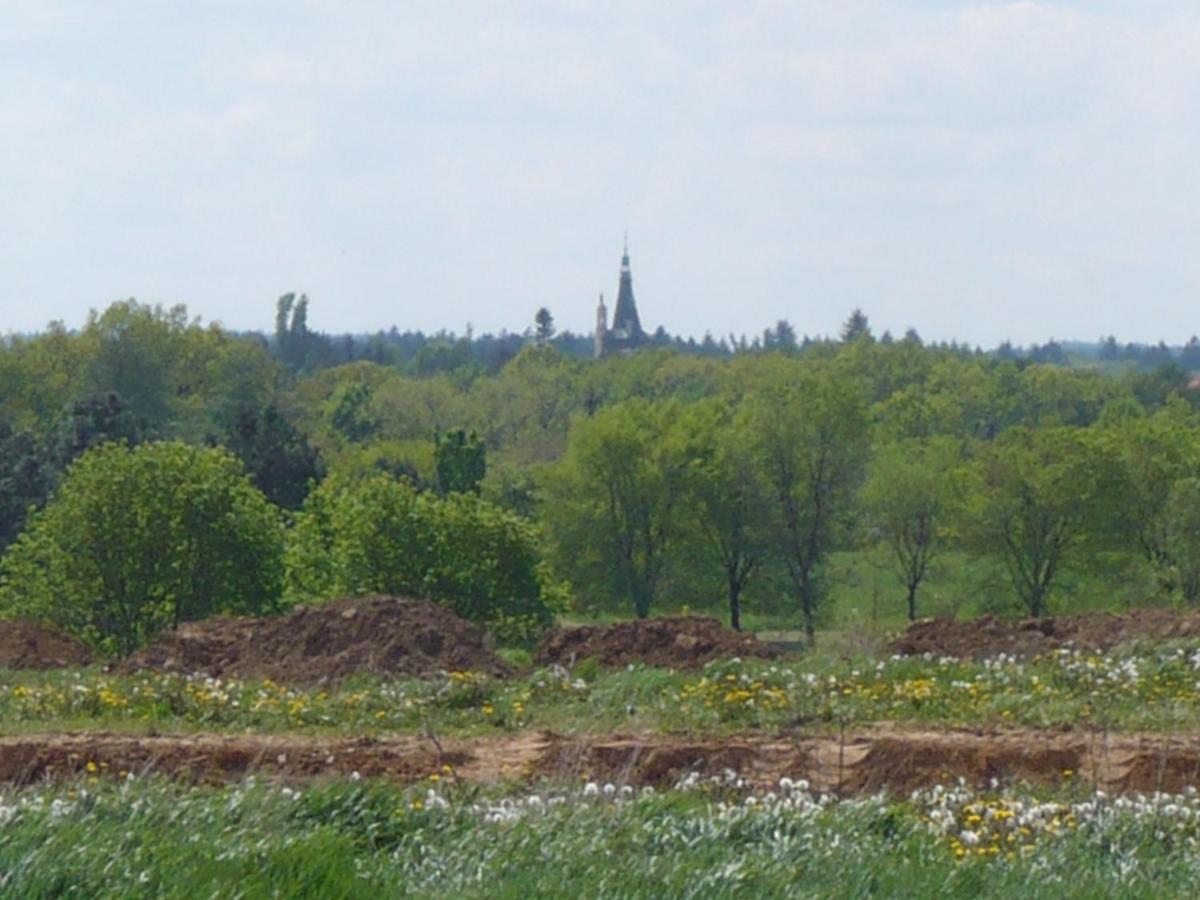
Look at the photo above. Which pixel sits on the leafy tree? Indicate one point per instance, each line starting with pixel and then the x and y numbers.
pixel 781 337
pixel 1154 389
pixel 611 502
pixel 1189 356
pixel 134 350
pixel 39 376
pixel 526 410
pixel 24 480
pixel 461 462
pixel 243 379
pixel 296 346
pixel 726 499
pixel 378 535
pixel 1040 498
pixel 283 316
pixel 414 408
pixel 908 497
pixel 1182 537
pixel 810 430
pixel 88 423
pixel 278 458
pixel 139 539
pixel 1155 452
pixel 353 416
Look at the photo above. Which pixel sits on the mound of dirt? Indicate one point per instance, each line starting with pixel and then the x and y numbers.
pixel 31 645
pixel 989 636
pixel 679 642
pixel 375 635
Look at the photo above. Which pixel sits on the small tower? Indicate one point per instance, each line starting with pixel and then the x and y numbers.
pixel 601 326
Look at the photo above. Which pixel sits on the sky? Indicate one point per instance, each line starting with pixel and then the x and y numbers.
pixel 978 171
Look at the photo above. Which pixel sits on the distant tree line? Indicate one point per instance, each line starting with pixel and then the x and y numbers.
pixel 471 355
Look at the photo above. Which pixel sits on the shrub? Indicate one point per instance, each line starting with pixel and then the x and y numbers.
pixel 378 535
pixel 140 539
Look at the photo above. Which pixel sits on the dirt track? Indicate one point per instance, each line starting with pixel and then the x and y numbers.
pixel 866 761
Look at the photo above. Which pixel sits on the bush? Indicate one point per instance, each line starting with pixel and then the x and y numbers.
pixel 136 540
pixel 378 535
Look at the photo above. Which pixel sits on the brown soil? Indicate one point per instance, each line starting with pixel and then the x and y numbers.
pixel 882 759
pixel 679 642
pixel 31 645
pixel 376 635
pixel 989 636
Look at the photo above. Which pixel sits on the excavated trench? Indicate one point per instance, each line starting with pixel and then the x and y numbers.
pixel 886 759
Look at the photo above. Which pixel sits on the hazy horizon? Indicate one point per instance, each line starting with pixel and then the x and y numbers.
pixel 978 171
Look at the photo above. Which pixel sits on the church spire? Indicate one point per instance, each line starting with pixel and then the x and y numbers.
pixel 626 324
pixel 626 332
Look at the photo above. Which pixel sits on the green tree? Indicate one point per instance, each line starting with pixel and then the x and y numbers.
pixel 461 462
pixel 611 502
pixel 809 426
pixel 24 480
pixel 1040 499
pixel 134 347
pixel 283 317
pixel 908 497
pixel 725 499
pixel 353 415
pixel 856 327
pixel 278 458
pixel 1155 452
pixel 89 423
pixel 526 410
pixel 544 322
pixel 140 539
pixel 1182 537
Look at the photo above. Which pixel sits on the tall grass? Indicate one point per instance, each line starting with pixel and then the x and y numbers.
pixel 155 839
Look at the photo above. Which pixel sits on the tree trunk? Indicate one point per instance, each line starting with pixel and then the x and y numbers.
pixel 808 603
pixel 1037 604
pixel 912 603
pixel 641 602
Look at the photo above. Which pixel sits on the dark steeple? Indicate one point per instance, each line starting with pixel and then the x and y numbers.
pixel 626 327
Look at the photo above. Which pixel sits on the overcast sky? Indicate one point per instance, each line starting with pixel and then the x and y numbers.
pixel 979 171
